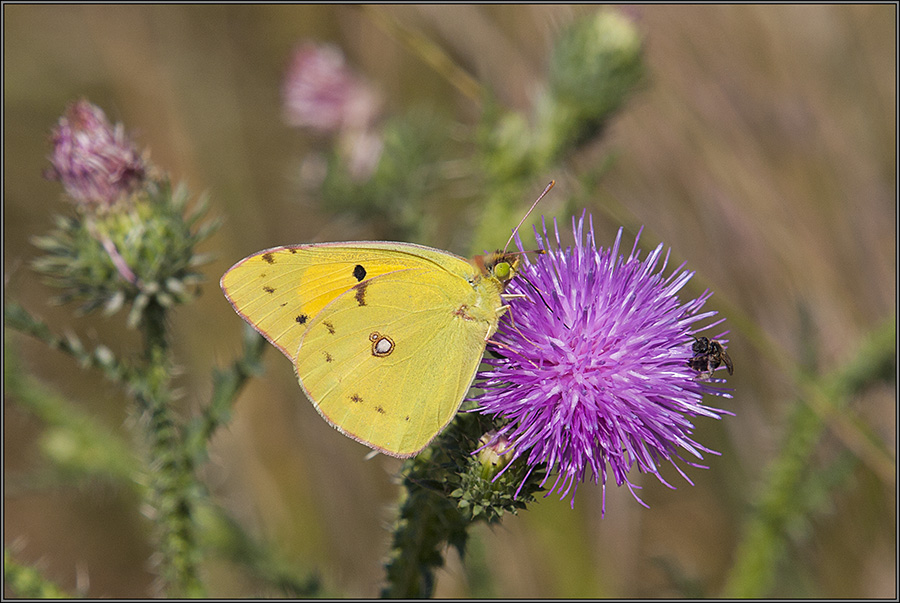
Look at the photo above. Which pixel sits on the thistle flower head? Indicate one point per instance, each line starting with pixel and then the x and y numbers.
pixel 320 92
pixel 115 253
pixel 592 374
pixel 96 162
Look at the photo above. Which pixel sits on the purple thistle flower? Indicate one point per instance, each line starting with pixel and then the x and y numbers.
pixel 593 372
pixel 320 92
pixel 96 162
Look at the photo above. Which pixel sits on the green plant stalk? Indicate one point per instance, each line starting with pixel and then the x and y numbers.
pixel 84 447
pixel 16 317
pixel 226 386
pixel 425 522
pixel 172 486
pixel 445 491
pixel 429 516
pixel 781 505
pixel 102 454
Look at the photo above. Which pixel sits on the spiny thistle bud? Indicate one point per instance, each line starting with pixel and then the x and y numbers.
pixel 595 64
pixel 483 483
pixel 130 242
pixel 495 454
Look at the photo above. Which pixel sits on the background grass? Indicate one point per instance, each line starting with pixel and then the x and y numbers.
pixel 762 149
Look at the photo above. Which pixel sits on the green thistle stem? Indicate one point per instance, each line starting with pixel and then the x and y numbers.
pixel 226 386
pixel 171 472
pixel 446 490
pixel 426 521
pixel 16 317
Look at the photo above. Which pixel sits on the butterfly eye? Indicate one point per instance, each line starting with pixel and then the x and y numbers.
pixel 502 270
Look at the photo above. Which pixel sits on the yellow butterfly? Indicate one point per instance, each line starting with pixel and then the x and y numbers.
pixel 385 337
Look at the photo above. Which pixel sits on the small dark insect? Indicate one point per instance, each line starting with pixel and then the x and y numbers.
pixel 708 356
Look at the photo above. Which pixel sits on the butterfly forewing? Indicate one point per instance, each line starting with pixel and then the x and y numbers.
pixel 279 291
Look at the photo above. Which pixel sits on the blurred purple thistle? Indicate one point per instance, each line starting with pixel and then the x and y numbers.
pixel 596 373
pixel 320 92
pixel 97 163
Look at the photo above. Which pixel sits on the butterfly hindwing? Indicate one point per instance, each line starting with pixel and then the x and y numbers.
pixel 389 361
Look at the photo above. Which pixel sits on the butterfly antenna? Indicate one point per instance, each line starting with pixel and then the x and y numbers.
pixel 541 295
pixel 528 213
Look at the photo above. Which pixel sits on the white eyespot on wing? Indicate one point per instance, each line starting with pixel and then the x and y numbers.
pixel 382 345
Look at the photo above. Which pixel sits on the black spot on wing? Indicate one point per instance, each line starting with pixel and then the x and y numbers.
pixel 328 326
pixel 301 319
pixel 361 292
pixel 328 357
pixel 356 398
pixel 268 289
pixel 269 257
pixel 359 273
pixel 380 410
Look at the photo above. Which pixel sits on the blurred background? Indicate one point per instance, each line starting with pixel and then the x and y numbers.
pixel 761 147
